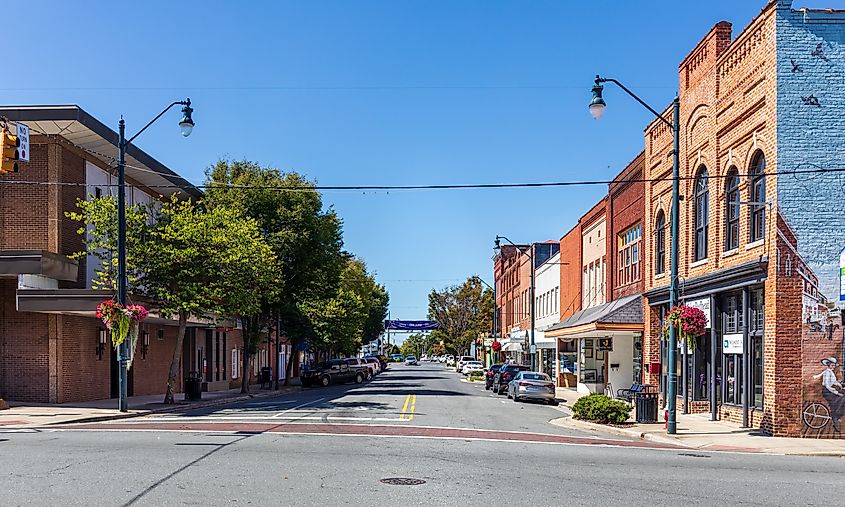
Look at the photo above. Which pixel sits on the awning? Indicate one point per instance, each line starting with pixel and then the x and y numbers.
pixel 622 315
pixel 512 347
pixel 38 262
pixel 541 341
pixel 83 303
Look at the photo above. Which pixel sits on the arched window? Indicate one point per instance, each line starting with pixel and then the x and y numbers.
pixel 757 215
pixel 660 243
pixel 702 218
pixel 732 210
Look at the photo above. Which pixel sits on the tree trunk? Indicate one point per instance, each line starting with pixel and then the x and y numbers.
pixel 247 371
pixel 177 358
pixel 246 325
pixel 289 369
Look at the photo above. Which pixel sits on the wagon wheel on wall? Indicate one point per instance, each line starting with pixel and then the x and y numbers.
pixel 816 416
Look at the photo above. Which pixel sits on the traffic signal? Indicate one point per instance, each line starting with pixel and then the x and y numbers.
pixel 11 155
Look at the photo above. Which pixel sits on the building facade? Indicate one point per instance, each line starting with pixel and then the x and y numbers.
pixel 52 347
pixel 760 242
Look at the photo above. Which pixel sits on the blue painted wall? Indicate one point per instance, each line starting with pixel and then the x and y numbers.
pixel 811 133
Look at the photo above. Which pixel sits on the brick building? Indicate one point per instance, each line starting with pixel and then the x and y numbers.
pixel 52 347
pixel 759 249
pixel 600 339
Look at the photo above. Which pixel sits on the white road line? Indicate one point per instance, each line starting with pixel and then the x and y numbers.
pixel 298 406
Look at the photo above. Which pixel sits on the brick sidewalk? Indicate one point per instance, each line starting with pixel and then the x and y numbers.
pixel 37 414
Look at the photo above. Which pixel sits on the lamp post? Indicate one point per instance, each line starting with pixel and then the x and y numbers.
pixel 597 107
pixel 531 346
pixel 187 125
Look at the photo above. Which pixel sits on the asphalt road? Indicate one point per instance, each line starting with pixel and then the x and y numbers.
pixel 347 439
pixel 426 395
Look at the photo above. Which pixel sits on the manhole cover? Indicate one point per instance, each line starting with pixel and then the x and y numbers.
pixel 402 481
pixel 691 455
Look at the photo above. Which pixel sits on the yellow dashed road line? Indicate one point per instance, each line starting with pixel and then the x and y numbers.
pixel 413 407
pixel 405 406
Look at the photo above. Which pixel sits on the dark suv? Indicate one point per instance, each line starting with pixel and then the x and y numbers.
pixel 489 374
pixel 336 371
pixel 506 373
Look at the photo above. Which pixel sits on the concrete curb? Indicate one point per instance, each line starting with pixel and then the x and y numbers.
pixel 571 422
pixel 178 407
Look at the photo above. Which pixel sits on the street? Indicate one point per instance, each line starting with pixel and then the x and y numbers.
pixel 335 446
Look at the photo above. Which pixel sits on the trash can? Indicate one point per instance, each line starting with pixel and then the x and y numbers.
pixel 646 402
pixel 266 377
pixel 193 386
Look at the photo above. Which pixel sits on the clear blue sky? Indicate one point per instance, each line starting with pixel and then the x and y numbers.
pixel 380 92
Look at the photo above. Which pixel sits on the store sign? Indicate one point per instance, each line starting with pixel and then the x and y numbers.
pixel 732 344
pixel 606 344
pixel 702 304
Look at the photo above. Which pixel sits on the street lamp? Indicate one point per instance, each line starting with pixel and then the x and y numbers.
pixel 186 124
pixel 597 107
pixel 531 304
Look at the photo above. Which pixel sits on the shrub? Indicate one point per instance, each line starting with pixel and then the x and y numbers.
pixel 600 408
pixel 476 375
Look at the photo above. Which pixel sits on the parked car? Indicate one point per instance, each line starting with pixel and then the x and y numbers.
pixel 450 361
pixel 396 358
pixel 489 373
pixel 374 362
pixel 532 385
pixel 336 371
pixel 411 361
pixel 360 364
pixel 471 366
pixel 459 364
pixel 505 374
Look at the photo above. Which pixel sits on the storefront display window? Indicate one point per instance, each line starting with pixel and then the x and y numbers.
pixel 591 367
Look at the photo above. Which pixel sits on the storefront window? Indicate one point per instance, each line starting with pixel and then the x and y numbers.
pixel 733 379
pixel 592 368
pixel 638 360
pixel 757 320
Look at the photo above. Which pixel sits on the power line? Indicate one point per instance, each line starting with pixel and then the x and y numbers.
pixel 451 186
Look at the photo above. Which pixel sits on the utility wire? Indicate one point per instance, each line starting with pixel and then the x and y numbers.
pixel 450 186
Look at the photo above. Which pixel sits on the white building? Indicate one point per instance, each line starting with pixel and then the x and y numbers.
pixel 546 311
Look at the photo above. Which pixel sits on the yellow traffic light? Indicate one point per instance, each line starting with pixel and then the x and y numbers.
pixel 10 154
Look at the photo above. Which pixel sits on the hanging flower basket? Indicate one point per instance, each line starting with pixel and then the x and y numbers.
pixel 123 323
pixel 496 346
pixel 690 322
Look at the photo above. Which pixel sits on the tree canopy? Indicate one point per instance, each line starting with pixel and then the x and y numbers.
pixel 462 312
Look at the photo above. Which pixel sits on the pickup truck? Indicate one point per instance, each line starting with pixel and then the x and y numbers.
pixel 336 371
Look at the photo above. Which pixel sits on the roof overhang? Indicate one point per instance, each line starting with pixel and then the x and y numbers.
pixel 734 277
pixel 596 330
pixel 88 133
pixel 624 315
pixel 83 303
pixel 38 262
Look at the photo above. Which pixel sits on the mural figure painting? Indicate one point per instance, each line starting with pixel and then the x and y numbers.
pixel 832 391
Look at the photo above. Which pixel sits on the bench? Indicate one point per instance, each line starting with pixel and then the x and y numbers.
pixel 630 393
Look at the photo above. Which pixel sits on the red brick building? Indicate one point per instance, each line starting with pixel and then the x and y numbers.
pixel 52 347
pixel 600 331
pixel 759 248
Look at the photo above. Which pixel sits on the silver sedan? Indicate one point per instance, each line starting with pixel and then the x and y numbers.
pixel 532 385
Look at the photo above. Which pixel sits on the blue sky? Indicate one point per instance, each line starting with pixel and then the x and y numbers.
pixel 381 92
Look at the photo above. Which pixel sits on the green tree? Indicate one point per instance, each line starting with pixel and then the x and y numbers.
pixel 306 239
pixel 98 225
pixel 462 312
pixel 205 263
pixel 190 261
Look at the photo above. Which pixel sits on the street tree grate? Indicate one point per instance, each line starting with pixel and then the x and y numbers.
pixel 402 481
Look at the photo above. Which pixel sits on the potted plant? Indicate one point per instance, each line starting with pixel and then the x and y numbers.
pixel 689 321
pixel 123 322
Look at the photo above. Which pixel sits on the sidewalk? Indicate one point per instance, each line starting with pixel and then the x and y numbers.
pixel 697 431
pixel 30 415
